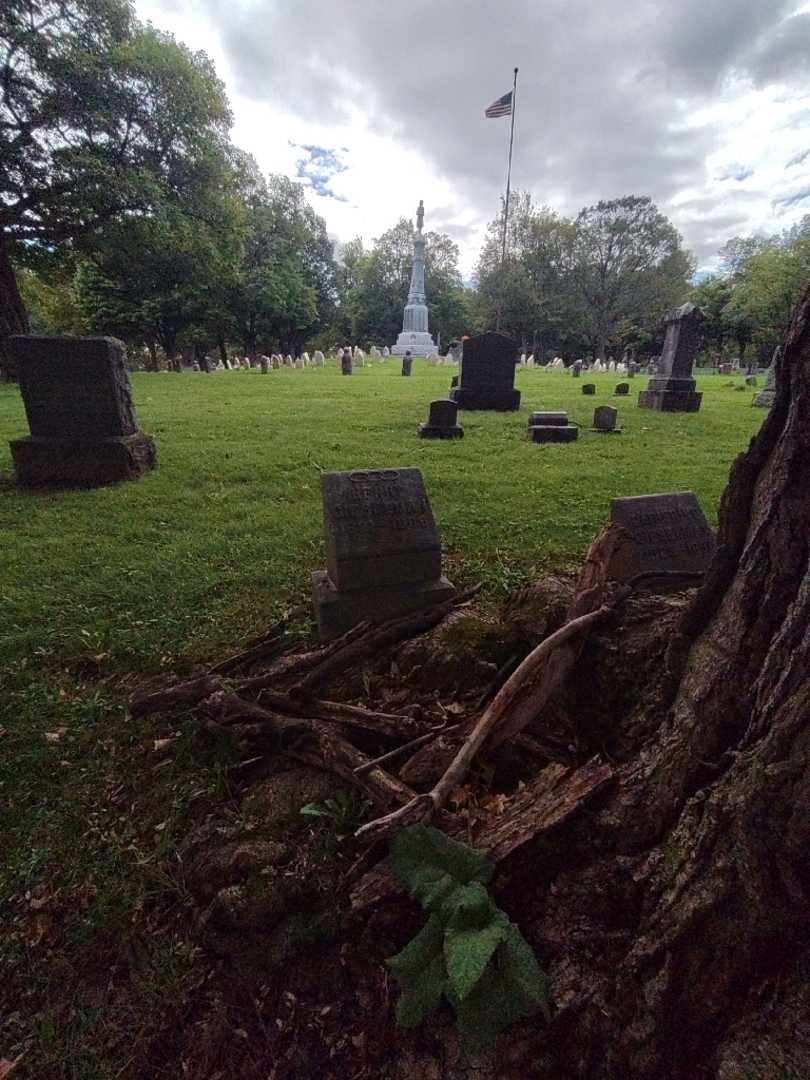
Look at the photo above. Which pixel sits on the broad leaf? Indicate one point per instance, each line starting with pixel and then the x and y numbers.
pixel 467 954
pixel 420 846
pixel 420 996
pixel 519 965
pixel 420 952
pixel 432 887
pixel 469 907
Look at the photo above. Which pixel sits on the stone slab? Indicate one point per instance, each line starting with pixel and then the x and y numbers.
pixel 379 527
pixel 74 388
pixel 336 612
pixel 42 462
pixel 670 400
pixel 548 433
pixel 667 532
pixel 546 418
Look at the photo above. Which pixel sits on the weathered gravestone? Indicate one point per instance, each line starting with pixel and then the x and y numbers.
pixel 764 399
pixel 672 389
pixel 454 351
pixel 545 427
pixel 78 402
pixel 632 369
pixel 622 390
pixel 442 421
pixel 346 362
pixel 576 369
pixel 382 549
pixel 487 379
pixel 589 388
pixel 666 532
pixel 407 363
pixel 604 420
pixel 264 364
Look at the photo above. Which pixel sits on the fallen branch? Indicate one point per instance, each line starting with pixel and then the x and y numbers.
pixel 408 746
pixel 375 639
pixel 190 692
pixel 552 798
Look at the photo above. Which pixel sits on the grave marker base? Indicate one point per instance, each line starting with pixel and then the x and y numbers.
pixel 545 433
pixel 495 400
pixel 434 431
pixel 40 462
pixel 335 612
pixel 670 400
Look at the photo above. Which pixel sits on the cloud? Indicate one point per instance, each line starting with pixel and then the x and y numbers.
pixel 318 167
pixel 798 159
pixel 645 97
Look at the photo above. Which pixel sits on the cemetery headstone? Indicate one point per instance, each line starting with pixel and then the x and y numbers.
pixel 632 369
pixel 78 401
pixel 547 427
pixel 407 363
pixel 264 365
pixel 487 379
pixel 576 369
pixel 346 362
pixel 765 398
pixel 622 390
pixel 382 548
pixel 454 351
pixel 589 388
pixel 604 420
pixel 672 389
pixel 442 422
pixel 666 532
pixel 558 418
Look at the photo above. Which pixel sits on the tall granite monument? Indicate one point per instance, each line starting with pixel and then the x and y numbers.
pixel 672 388
pixel 766 396
pixel 383 553
pixel 415 336
pixel 487 377
pixel 78 402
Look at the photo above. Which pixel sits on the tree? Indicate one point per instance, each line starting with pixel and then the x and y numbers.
pixel 627 262
pixel 100 117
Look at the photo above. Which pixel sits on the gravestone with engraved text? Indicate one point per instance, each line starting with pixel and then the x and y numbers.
pixel 383 550
pixel 487 378
pixel 78 402
pixel 665 532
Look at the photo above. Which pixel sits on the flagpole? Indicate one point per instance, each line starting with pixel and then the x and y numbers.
pixel 509 170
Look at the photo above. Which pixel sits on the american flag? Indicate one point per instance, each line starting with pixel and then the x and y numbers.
pixel 501 107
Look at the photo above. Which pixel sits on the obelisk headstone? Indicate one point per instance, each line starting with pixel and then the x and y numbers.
pixel 672 388
pixel 77 397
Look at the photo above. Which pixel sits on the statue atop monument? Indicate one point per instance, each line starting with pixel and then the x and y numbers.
pixel 415 337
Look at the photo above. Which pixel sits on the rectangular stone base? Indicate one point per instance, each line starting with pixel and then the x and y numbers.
pixel 40 462
pixel 335 612
pixel 436 431
pixel 544 433
pixel 670 400
pixel 497 400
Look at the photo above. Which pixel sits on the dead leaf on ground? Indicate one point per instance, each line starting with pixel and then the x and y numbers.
pixel 55 736
pixel 161 744
pixel 7 1067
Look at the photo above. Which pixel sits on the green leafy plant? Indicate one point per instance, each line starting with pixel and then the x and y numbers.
pixel 344 812
pixel 468 951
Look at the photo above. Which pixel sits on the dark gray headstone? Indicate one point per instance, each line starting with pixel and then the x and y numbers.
pixel 78 402
pixel 604 418
pixel 346 362
pixel 632 369
pixel 667 532
pixel 382 547
pixel 622 390
pixel 553 418
pixel 576 369
pixel 442 421
pixel 672 389
pixel 589 388
pixel 488 373
pixel 765 398
pixel 264 364
pixel 407 364
pixel 546 433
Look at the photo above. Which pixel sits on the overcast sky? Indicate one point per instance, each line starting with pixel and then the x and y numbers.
pixel 704 105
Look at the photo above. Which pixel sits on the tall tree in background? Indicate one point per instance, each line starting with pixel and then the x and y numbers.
pixel 628 263
pixel 99 117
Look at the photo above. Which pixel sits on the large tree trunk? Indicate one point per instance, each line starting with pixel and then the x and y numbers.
pixel 679 916
pixel 13 316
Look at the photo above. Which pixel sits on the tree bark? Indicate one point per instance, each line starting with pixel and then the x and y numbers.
pixel 13 316
pixel 678 915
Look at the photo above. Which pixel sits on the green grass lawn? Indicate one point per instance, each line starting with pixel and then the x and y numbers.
pixel 180 566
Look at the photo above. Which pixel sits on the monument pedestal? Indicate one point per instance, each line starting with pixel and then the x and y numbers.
pixel 416 342
pixel 40 462
pixel 467 397
pixel 670 400
pixel 336 612
pixel 548 433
